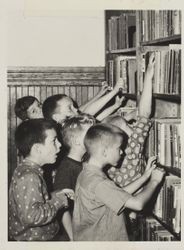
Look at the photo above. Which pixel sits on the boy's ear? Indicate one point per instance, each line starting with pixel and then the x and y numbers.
pixel 36 148
pixel 56 117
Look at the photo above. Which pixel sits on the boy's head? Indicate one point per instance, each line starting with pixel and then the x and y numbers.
pixel 28 107
pixel 37 138
pixel 59 107
pixel 105 143
pixel 119 122
pixel 73 131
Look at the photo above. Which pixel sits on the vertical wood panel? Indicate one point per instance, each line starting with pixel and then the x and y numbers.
pixel 84 94
pixel 37 92
pixel 73 92
pixel 31 90
pixel 79 95
pixel 43 93
pixel 90 93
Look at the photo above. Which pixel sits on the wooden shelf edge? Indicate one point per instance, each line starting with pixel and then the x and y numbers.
pixel 121 51
pixel 167 227
pixel 169 39
pixel 174 171
pixel 168 97
pixel 130 96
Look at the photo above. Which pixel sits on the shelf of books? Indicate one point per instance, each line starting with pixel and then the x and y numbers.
pixel 160 33
pixel 131 36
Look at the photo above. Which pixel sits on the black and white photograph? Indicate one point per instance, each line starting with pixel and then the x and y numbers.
pixel 93 124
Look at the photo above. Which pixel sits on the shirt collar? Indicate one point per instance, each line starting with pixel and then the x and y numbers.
pixel 33 165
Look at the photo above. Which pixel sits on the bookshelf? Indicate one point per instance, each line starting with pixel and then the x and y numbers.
pixel 158 32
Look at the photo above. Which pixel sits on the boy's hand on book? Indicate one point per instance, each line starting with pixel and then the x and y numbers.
pixel 157 175
pixel 151 165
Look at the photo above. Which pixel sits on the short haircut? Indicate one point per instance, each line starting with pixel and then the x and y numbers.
pixel 103 134
pixel 72 126
pixel 30 132
pixel 50 104
pixel 22 105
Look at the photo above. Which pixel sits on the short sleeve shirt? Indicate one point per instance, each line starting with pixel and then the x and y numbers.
pixel 97 204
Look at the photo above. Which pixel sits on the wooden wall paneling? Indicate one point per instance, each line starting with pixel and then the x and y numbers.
pixel 73 93
pixel 12 119
pixel 31 90
pixel 84 94
pixel 49 91
pixel 54 90
pixel 67 90
pixel 37 92
pixel 96 90
pixel 90 92
pixel 24 90
pixel 9 134
pixel 61 90
pixel 79 95
pixel 43 93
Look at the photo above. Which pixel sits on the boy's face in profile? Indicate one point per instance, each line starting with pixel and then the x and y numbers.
pixel 114 151
pixel 35 110
pixel 65 108
pixel 50 148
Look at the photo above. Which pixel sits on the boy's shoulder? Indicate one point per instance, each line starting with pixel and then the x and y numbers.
pixel 90 179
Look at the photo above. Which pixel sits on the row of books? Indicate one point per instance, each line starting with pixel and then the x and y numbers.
pixel 168 203
pixel 165 142
pixel 157 24
pixel 152 230
pixel 123 69
pixel 121 31
pixel 167 71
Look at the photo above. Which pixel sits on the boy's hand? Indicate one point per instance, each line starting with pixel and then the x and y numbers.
pixel 103 89
pixel 68 192
pixel 151 165
pixel 157 175
pixel 118 101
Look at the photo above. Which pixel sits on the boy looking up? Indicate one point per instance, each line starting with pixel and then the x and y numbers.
pixel 32 210
pixel 99 203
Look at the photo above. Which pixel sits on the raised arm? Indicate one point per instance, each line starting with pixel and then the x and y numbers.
pixel 111 109
pixel 101 102
pixel 102 91
pixel 131 167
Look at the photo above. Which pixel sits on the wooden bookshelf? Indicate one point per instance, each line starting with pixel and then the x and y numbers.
pixel 122 51
pixel 171 170
pixel 165 225
pixel 158 36
pixel 163 41
pixel 168 97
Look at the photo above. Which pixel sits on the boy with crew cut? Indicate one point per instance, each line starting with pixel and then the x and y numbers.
pixel 32 211
pixel 99 203
pixel 72 132
pixel 28 107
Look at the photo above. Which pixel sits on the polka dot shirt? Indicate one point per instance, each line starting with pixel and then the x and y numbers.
pixel 132 165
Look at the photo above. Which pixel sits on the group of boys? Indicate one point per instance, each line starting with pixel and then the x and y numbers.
pixel 93 150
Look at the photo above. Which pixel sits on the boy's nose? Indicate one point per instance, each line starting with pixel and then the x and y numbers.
pixel 121 152
pixel 58 144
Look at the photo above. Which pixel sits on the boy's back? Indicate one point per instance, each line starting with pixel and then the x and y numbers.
pixel 97 203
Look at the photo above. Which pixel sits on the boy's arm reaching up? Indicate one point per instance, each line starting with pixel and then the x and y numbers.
pixel 101 102
pixel 131 169
pixel 111 109
pixel 102 91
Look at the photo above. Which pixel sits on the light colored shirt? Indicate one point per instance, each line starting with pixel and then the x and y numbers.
pixel 98 201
